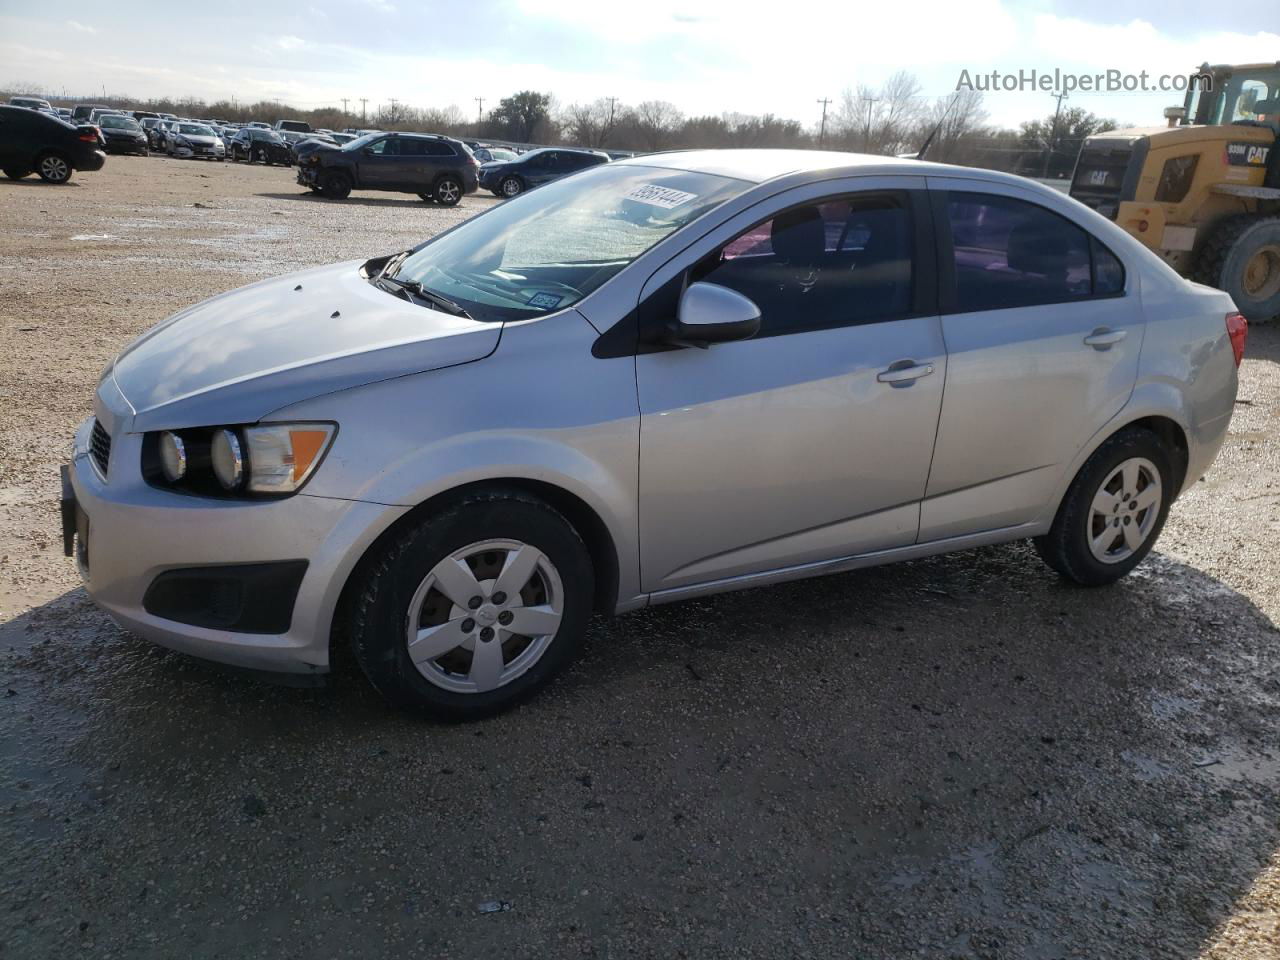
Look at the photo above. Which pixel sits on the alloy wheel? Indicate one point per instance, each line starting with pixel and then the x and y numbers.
pixel 484 615
pixel 1124 510
pixel 448 192
pixel 55 169
pixel 510 187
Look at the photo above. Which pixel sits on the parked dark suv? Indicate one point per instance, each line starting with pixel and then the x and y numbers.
pixel 436 168
pixel 34 141
pixel 535 168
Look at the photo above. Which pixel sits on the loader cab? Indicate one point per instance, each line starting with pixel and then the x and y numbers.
pixel 1247 95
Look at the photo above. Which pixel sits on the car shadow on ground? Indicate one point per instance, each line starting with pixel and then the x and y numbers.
pixel 308 197
pixel 961 756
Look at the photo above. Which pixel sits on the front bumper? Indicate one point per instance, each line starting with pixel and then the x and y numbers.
pixel 202 153
pixel 127 535
pixel 127 146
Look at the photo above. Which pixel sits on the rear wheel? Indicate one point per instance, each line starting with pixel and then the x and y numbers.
pixel 474 609
pixel 448 191
pixel 53 168
pixel 336 186
pixel 16 173
pixel 1113 512
pixel 1242 257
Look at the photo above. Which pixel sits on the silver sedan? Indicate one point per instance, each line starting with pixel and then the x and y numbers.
pixel 656 379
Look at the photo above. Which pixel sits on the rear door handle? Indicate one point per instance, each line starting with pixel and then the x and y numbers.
pixel 905 371
pixel 1102 338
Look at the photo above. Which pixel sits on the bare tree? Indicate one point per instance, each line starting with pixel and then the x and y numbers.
pixel 590 124
pixel 655 121
pixel 880 119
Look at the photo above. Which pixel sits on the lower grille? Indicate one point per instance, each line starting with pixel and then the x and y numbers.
pixel 100 447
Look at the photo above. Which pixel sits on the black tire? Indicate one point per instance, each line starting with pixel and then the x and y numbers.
pixel 511 186
pixel 1066 548
pixel 378 624
pixel 427 197
pixel 16 173
pixel 448 191
pixel 335 185
pixel 260 155
pixel 1241 244
pixel 53 167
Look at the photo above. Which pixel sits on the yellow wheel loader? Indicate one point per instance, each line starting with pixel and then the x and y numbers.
pixel 1204 191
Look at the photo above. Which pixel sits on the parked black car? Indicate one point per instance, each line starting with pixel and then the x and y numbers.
pixel 535 168
pixel 259 145
pixel 123 135
pixel 436 168
pixel 34 141
pixel 82 111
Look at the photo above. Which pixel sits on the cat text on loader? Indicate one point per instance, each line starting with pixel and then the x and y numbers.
pixel 1204 191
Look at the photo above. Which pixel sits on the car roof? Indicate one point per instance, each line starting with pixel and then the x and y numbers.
pixel 758 165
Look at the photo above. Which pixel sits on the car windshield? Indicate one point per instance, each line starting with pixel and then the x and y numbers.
pixel 359 142
pixel 545 251
pixel 195 130
pixel 120 123
pixel 498 154
pixel 257 133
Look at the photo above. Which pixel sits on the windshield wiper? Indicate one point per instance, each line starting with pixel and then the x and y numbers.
pixel 422 293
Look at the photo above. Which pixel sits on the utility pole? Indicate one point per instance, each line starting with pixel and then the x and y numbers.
pixel 612 101
pixel 344 105
pixel 363 101
pixel 479 111
pixel 866 137
pixel 822 130
pixel 1053 136
pixel 395 118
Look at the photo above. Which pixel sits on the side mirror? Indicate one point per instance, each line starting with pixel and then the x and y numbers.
pixel 709 313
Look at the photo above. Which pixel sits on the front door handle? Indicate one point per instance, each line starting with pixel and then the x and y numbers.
pixel 905 371
pixel 1104 337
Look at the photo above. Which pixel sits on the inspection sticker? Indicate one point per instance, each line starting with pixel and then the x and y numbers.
pixel 656 196
pixel 545 301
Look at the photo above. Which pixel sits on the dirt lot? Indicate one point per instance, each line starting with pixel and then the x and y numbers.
pixel 953 758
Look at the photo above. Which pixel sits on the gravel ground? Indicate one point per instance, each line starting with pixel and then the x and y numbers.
pixel 956 758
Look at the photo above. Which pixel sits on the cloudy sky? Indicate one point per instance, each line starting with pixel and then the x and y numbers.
pixel 706 56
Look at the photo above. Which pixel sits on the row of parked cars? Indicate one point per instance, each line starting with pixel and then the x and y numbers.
pixel 437 168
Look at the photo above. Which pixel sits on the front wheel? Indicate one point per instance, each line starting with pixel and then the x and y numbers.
pixel 336 186
pixel 512 187
pixel 448 191
pixel 16 173
pixel 1113 512
pixel 53 168
pixel 472 610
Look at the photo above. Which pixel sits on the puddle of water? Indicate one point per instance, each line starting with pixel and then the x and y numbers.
pixel 1258 769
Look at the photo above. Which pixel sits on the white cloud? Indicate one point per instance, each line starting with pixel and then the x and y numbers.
pixel 290 43
pixel 81 27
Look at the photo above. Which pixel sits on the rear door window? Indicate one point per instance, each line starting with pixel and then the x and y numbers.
pixel 1012 253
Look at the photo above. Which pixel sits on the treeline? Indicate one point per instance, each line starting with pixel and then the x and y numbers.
pixel 895 118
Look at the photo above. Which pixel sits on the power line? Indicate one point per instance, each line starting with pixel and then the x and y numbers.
pixel 822 130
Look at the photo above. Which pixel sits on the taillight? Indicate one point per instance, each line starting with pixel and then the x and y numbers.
pixel 88 137
pixel 1238 331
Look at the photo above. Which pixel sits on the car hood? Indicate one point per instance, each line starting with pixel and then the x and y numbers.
pixel 122 132
pixel 197 138
pixel 243 354
pixel 496 165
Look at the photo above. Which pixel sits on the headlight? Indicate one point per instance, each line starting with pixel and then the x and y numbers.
pixel 173 457
pixel 228 459
pixel 266 460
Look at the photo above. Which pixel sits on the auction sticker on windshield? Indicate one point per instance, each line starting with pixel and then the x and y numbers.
pixel 657 196
pixel 545 301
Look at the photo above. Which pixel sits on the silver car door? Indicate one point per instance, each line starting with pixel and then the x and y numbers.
pixel 811 441
pixel 1040 353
